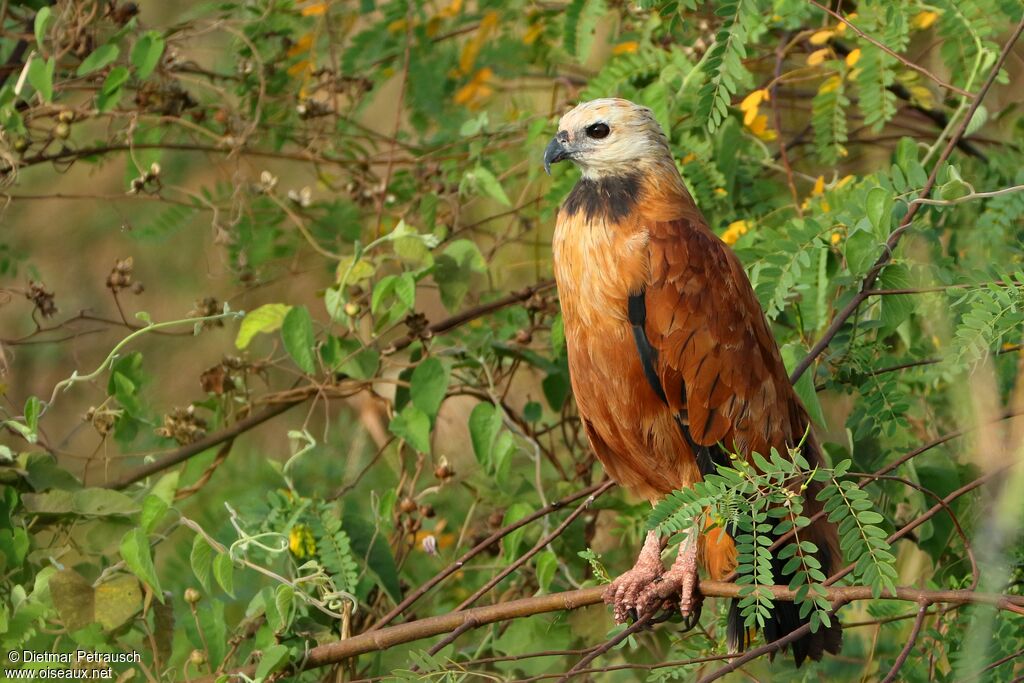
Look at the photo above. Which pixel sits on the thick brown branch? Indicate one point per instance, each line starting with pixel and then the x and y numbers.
pixel 374 641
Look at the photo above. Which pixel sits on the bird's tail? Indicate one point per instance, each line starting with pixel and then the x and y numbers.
pixel 785 615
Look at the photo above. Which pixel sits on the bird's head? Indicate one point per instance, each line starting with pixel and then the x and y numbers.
pixel 607 137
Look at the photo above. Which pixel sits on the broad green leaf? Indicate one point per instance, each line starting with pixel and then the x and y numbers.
pixel 40 75
pixel 428 386
pixel 201 560
pixel 116 601
pixel 412 425
pixel 489 184
pixel 73 597
pixel 453 271
pixel 349 357
pixel 879 210
pixel 146 53
pixel 351 271
pixel 510 544
pixel 110 93
pixel 298 337
pixel 547 564
pixel 44 18
pixel 224 572
pixel 136 554
pixel 153 510
pixel 33 409
pixel 99 58
pixel 91 502
pixel 274 658
pixel 266 318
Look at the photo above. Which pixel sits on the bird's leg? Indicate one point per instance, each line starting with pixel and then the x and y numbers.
pixel 624 592
pixel 680 579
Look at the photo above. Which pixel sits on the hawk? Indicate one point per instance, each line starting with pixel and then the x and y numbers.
pixel 673 363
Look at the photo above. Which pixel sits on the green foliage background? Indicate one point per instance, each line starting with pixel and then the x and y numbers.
pixel 310 225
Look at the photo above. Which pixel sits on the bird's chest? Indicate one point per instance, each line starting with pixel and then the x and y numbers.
pixel 598 264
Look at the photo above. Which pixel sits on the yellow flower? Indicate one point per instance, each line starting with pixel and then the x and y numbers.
pixel 720 192
pixel 451 10
pixel 734 231
pixel 836 236
pixel 819 187
pixel 818 56
pixel 473 94
pixel 472 47
pixel 688 158
pixel 751 102
pixel 845 180
pixel 533 33
pixel 314 10
pixel 924 19
pixel 822 37
pixel 301 541
pixel 759 127
pixel 628 47
pixel 853 57
pixel 830 84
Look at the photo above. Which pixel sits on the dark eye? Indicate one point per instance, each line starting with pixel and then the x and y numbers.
pixel 598 131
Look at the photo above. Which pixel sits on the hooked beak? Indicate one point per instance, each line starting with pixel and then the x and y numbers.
pixel 554 153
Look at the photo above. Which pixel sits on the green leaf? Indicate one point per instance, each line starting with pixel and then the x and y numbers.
pixel 412 425
pixel 510 544
pixel 879 211
pixel 153 510
pixel 297 334
pixel 33 409
pixel 116 601
pixel 110 93
pixel 201 560
pixel 453 271
pixel 428 386
pixel 146 53
pixel 136 554
pixel 791 355
pixel 489 184
pixel 40 75
pixel 266 318
pixel 224 572
pixel 274 659
pixel 91 502
pixel 44 18
pixel 547 564
pixel 100 57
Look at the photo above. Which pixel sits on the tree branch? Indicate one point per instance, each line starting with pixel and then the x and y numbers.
pixel 374 641
pixel 895 235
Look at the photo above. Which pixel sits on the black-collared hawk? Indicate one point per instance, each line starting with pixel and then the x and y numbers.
pixel 673 362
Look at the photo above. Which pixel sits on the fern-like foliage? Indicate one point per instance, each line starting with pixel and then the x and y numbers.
pixel 965 26
pixel 991 314
pixel 581 17
pixel 758 502
pixel 700 172
pixel 632 69
pixel 789 264
pixel 335 550
pixel 723 66
pixel 828 116
pixel 876 70
pixel 861 540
